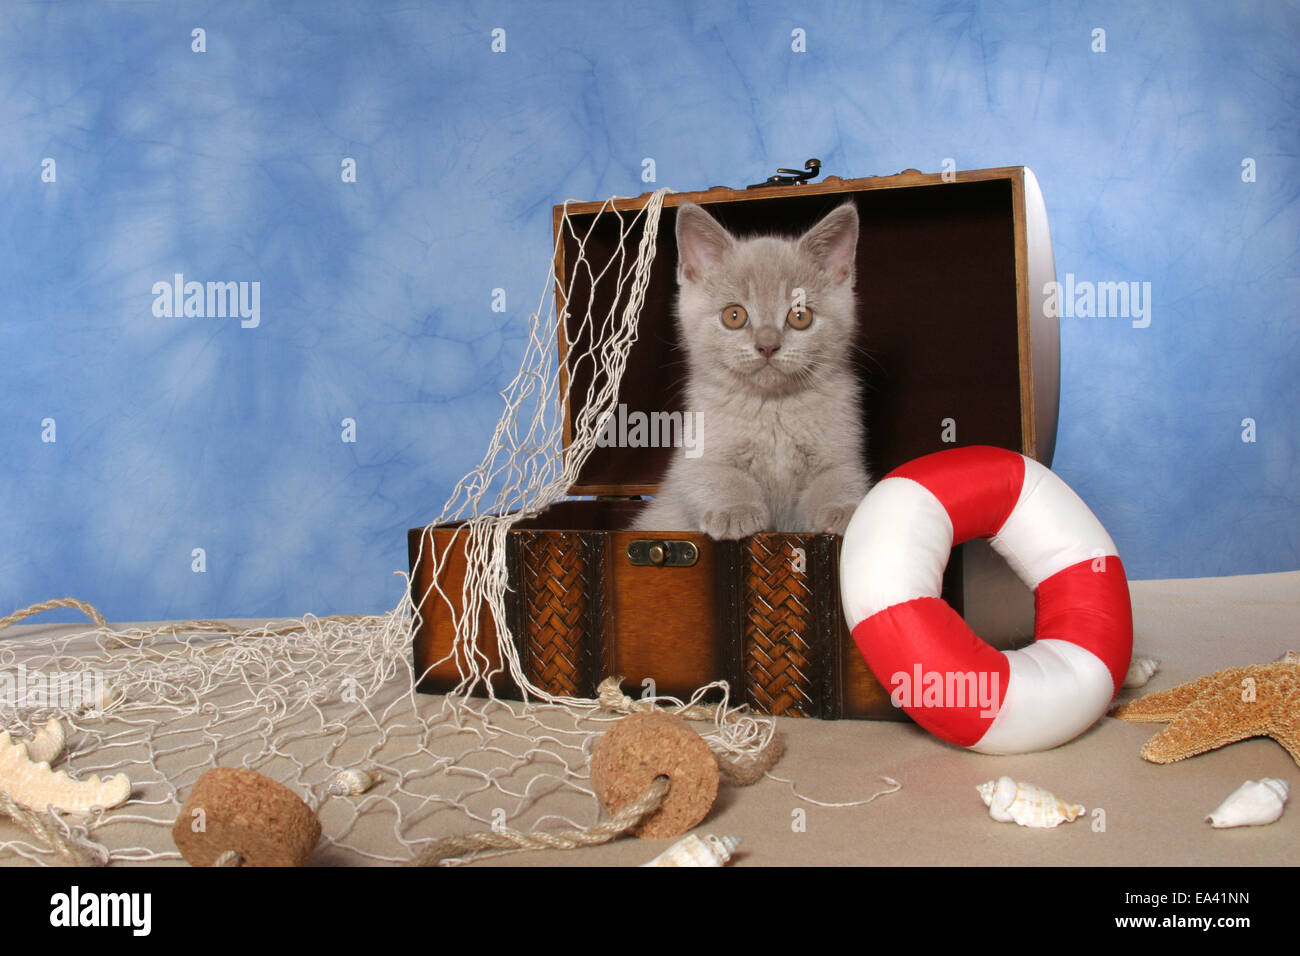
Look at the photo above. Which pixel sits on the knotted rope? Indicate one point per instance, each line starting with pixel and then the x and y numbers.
pixel 741 772
pixel 512 841
pixel 610 697
pixel 74 850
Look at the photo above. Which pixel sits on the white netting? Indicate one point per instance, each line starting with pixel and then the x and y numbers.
pixel 304 700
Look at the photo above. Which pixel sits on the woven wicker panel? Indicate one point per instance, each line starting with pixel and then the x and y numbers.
pixel 555 609
pixel 778 620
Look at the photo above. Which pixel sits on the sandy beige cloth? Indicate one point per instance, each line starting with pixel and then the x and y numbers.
pixel 1137 813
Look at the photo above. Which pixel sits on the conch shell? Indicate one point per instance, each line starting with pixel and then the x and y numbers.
pixel 351 782
pixel 1026 804
pixel 36 786
pixel 1254 803
pixel 1140 671
pixel 696 851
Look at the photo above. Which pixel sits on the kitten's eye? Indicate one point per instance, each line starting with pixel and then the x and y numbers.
pixel 735 317
pixel 799 318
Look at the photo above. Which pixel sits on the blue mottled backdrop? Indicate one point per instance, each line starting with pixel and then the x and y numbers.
pixel 133 149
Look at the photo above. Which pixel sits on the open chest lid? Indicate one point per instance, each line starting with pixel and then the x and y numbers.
pixel 955 343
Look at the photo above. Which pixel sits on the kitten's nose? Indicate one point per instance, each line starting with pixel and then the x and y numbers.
pixel 767 351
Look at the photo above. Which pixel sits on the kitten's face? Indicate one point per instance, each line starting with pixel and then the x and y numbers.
pixel 765 314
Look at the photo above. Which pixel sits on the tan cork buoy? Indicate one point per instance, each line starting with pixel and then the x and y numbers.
pixel 263 821
pixel 644 746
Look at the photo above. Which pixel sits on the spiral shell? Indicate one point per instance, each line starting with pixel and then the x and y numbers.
pixel 1026 804
pixel 1254 803
pixel 1140 671
pixel 692 850
pixel 352 782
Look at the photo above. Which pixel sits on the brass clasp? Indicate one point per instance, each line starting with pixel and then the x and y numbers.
pixel 663 554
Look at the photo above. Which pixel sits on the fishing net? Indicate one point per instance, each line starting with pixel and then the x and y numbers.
pixel 301 701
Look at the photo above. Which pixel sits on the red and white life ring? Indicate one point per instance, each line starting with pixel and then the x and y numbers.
pixel 952 683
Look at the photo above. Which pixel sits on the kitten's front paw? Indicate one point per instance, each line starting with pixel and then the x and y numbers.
pixel 833 519
pixel 740 521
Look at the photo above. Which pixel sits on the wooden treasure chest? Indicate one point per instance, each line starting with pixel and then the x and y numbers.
pixel 955 350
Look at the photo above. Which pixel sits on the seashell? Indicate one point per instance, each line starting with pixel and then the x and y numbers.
pixel 35 785
pixel 1290 657
pixel 691 850
pixel 106 699
pixel 1254 803
pixel 351 782
pixel 1026 804
pixel 1140 671
pixel 47 746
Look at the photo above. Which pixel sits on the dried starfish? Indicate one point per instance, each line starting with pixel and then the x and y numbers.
pixel 35 785
pixel 1222 708
pixel 48 744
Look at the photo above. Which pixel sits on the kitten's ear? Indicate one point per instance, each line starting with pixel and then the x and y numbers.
pixel 701 243
pixel 833 242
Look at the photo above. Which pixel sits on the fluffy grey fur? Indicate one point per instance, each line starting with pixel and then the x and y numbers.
pixel 781 416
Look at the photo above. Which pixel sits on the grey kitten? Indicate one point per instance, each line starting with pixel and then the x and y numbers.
pixel 767 324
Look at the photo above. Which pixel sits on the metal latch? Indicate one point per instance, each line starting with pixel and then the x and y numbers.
pixel 663 554
pixel 791 177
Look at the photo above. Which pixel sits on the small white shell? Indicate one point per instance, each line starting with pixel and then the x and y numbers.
pixel 1140 671
pixel 47 746
pixel 35 785
pixel 696 851
pixel 1254 803
pixel 1026 804
pixel 104 701
pixel 352 782
pixel 108 699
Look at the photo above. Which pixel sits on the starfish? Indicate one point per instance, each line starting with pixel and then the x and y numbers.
pixel 1222 708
